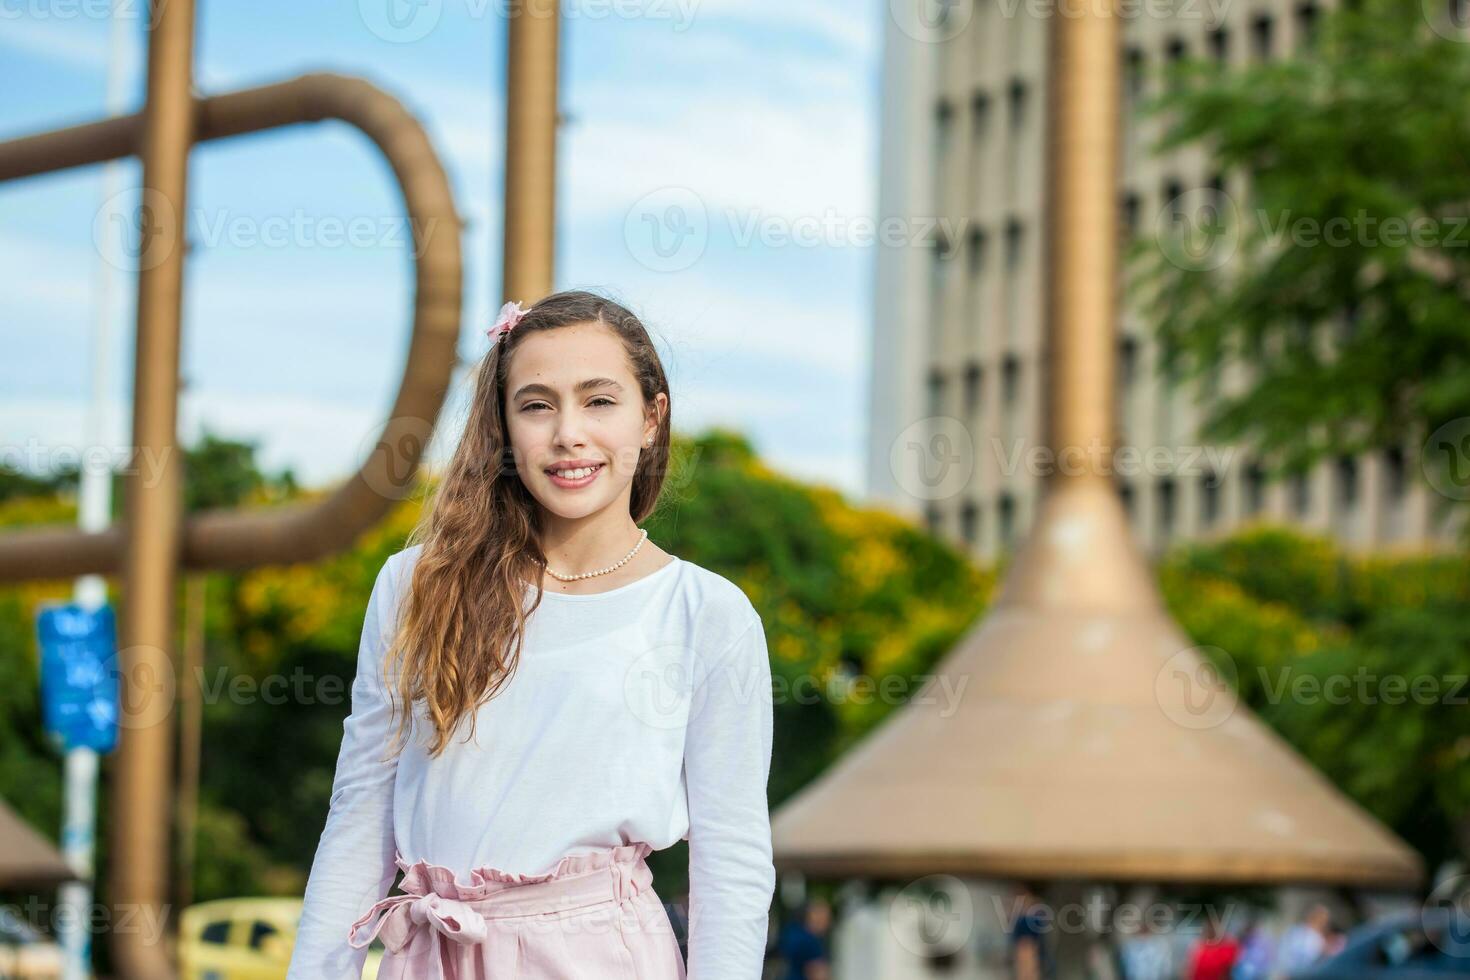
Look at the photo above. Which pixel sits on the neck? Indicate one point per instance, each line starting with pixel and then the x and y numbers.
pixel 588 543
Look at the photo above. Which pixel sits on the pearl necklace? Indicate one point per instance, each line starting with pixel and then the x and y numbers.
pixel 642 537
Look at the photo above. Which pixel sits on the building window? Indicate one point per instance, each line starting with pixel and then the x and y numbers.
pixel 1131 206
pixel 1307 18
pixel 1127 360
pixel 1209 503
pixel 1255 488
pixel 978 244
pixel 1395 476
pixel 980 114
pixel 943 137
pixel 1133 80
pixel 1125 496
pixel 973 377
pixel 1016 94
pixel 1010 379
pixel 1263 36
pixel 1013 243
pixel 1175 50
pixel 1219 41
pixel 1301 494
pixel 1170 369
pixel 939 279
pixel 1166 508
pixel 1174 199
pixel 936 392
pixel 1347 482
pixel 932 518
pixel 970 522
pixel 1006 514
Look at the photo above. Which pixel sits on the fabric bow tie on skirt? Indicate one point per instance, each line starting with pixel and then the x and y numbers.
pixel 447 917
pixel 591 906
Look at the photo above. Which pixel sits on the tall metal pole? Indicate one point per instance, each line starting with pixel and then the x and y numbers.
pixel 141 809
pixel 1081 308
pixel 1082 228
pixel 94 513
pixel 1081 311
pixel 530 150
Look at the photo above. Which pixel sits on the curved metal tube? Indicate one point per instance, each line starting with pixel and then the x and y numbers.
pixel 220 539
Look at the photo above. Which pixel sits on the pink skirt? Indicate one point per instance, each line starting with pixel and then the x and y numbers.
pixel 592 916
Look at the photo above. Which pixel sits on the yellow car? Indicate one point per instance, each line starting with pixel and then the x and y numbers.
pixel 246 939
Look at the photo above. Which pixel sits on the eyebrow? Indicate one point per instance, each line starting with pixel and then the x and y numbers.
pixel 536 388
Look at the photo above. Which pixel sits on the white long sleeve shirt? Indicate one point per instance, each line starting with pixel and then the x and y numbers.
pixel 642 713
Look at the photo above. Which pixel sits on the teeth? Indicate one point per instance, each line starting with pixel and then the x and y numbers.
pixel 575 474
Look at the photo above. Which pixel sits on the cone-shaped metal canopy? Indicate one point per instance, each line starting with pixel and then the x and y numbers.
pixel 27 858
pixel 1074 734
pixel 1089 741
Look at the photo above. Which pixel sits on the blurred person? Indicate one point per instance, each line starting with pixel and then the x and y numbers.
pixel 1031 957
pixel 1334 940
pixel 1306 942
pixel 1147 955
pixel 1257 951
pixel 803 943
pixel 1213 955
pixel 526 780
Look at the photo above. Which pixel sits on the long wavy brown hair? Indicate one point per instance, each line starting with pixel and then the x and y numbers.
pixel 461 627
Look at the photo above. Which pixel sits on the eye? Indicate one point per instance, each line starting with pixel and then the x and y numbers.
pixel 534 405
pixel 604 399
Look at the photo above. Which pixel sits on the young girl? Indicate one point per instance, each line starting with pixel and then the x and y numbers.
pixel 579 698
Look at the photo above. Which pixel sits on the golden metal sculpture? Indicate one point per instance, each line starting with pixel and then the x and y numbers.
pixel 156 539
pixel 531 119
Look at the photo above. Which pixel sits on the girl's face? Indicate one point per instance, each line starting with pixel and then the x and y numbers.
pixel 572 406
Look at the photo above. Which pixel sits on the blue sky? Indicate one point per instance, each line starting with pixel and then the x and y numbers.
pixel 756 114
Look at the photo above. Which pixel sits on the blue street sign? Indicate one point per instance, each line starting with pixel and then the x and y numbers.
pixel 79 682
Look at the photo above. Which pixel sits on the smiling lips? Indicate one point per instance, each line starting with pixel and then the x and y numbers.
pixel 574 477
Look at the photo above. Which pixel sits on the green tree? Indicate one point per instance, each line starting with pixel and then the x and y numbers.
pixel 1348 288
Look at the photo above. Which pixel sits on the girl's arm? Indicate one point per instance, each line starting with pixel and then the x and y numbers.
pixel 727 761
pixel 354 864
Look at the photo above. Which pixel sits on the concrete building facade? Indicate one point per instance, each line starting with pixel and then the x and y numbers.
pixel 957 382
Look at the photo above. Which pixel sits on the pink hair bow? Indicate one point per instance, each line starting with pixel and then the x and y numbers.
pixel 510 315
